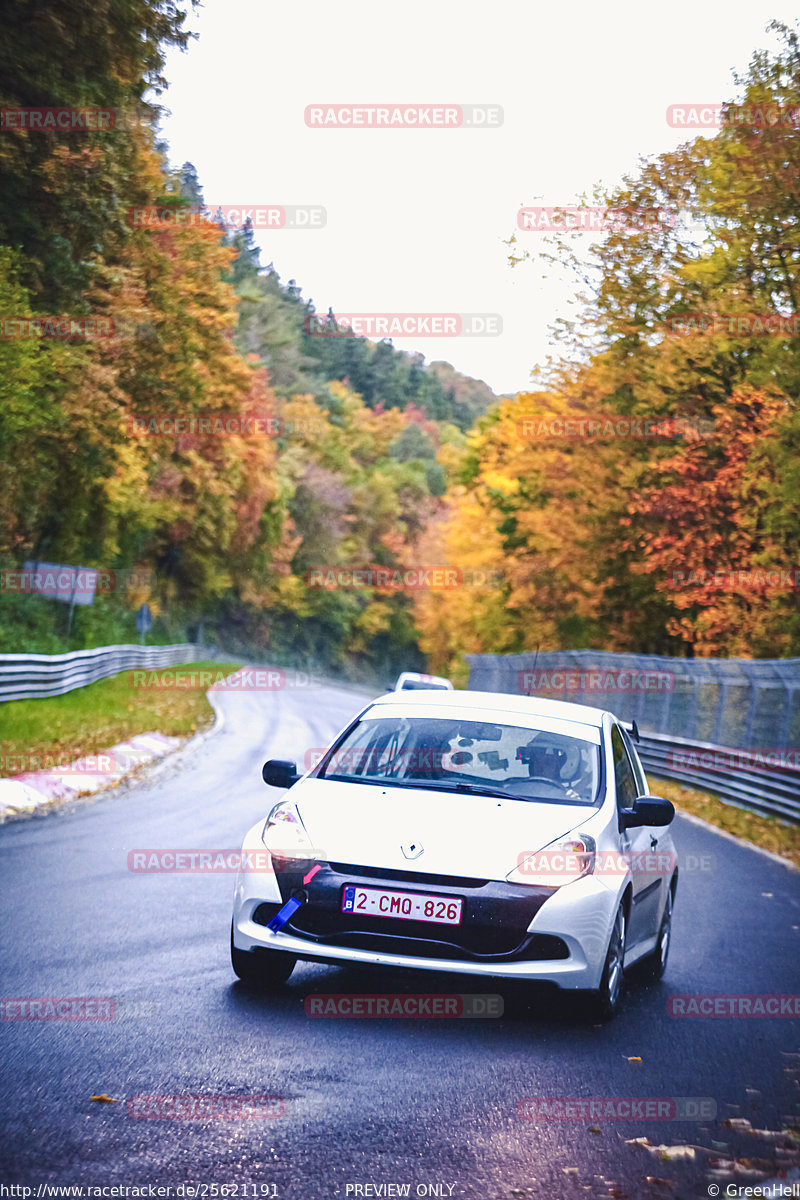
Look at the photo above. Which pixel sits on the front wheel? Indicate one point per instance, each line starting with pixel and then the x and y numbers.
pixel 605 1002
pixel 264 969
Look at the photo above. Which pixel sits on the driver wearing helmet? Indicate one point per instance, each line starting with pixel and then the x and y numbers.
pixel 548 758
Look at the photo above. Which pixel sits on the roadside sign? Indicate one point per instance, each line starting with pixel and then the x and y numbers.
pixel 144 619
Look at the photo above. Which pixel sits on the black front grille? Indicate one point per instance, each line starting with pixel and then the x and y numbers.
pixel 392 876
pixel 415 937
pixel 493 927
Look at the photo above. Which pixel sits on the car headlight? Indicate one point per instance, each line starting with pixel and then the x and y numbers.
pixel 558 864
pixel 284 835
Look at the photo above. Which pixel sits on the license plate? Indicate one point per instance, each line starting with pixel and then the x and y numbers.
pixel 405 906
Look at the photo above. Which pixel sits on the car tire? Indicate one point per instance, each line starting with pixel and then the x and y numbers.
pixel 264 969
pixel 655 964
pixel 605 1002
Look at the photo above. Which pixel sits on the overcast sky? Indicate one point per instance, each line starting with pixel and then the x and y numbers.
pixel 416 218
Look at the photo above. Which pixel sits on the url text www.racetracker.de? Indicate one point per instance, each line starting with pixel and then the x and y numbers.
pixel 213 1191
pixel 140 1191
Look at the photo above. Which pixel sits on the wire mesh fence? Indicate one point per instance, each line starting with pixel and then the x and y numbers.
pixel 735 702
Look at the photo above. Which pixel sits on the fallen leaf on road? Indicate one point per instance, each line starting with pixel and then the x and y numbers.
pixel 634 1058
pixel 595 1129
pixel 740 1124
pixel 740 1168
pixel 104 1099
pixel 666 1153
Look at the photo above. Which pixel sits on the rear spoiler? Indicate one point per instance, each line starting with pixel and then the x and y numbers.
pixel 632 728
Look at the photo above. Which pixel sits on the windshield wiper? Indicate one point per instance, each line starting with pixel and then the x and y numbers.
pixel 432 786
pixel 472 790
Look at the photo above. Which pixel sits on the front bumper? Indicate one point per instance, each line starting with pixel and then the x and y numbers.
pixel 557 935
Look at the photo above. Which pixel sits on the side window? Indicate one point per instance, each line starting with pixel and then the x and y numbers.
pixel 623 771
pixel 641 782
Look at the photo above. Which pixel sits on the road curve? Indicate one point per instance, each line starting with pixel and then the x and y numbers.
pixel 431 1104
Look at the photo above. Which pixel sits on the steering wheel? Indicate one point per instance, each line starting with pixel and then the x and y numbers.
pixel 543 779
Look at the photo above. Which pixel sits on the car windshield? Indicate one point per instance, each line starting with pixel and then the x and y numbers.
pixel 460 755
pixel 414 685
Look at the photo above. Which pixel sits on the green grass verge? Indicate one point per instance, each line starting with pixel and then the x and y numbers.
pixel 98 716
pixel 766 832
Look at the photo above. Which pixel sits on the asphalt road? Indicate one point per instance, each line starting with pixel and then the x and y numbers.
pixel 367 1102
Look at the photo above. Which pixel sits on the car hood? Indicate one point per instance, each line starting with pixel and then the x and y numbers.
pixel 476 836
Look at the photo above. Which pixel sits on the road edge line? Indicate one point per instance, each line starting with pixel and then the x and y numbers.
pixel 731 837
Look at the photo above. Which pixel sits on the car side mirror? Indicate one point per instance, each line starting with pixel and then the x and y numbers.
pixel 279 773
pixel 647 810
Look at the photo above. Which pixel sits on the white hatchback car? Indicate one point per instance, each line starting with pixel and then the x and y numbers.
pixel 470 832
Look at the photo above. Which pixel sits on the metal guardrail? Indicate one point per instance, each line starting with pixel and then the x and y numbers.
pixel 35 676
pixel 736 776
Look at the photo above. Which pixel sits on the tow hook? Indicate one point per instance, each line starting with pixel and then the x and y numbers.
pixel 298 898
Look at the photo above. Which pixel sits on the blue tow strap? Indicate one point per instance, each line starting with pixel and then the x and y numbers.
pixel 284 914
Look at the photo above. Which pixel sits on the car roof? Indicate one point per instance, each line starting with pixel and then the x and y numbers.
pixel 529 706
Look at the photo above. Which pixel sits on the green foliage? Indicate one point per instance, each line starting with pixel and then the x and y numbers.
pixel 412 443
